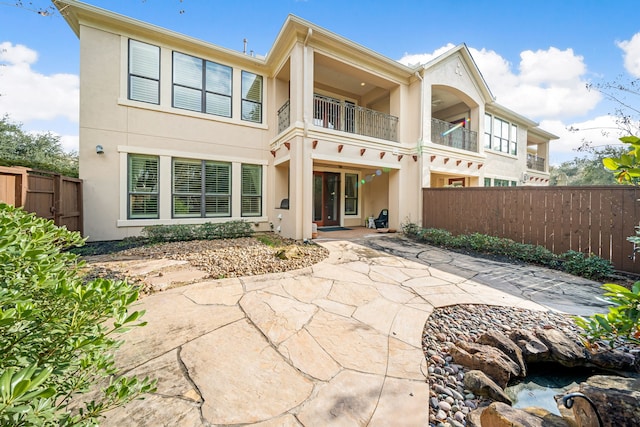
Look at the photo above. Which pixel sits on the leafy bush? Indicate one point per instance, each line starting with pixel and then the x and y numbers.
pixel 56 333
pixel 206 231
pixel 622 324
pixel 589 266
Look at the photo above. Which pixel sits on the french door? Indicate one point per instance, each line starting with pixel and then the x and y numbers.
pixel 326 198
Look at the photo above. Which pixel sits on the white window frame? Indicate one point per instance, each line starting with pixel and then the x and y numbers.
pixel 134 73
pixel 145 185
pixel 255 104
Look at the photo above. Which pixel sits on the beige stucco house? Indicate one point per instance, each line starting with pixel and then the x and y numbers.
pixel 175 130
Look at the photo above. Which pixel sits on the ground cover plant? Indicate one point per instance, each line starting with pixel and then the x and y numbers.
pixel 169 233
pixel 58 333
pixel 576 263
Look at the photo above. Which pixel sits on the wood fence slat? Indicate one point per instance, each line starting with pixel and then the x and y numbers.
pixel 48 195
pixel 584 219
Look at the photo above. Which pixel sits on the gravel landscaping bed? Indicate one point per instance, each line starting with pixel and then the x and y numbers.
pixel 223 258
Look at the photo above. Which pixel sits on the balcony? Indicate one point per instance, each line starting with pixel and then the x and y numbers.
pixel 284 117
pixel 344 116
pixel 330 113
pixel 461 138
pixel 535 163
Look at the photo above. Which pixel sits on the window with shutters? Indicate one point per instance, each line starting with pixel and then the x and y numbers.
pixel 201 188
pixel 144 72
pixel 350 194
pixel 251 97
pixel 251 190
pixel 201 85
pixel 142 186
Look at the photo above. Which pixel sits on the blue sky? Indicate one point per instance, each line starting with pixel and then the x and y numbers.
pixel 536 56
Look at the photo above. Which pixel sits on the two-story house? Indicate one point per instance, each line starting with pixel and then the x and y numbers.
pixel 175 130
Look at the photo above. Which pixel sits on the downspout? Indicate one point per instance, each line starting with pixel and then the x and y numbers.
pixel 304 81
pixel 420 143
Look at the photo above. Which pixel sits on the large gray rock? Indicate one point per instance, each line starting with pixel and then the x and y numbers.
pixel 533 350
pixel 503 343
pixel 617 401
pixel 481 385
pixel 502 415
pixel 563 349
pixel 615 359
pixel 487 359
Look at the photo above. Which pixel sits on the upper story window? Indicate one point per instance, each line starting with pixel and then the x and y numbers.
pixel 500 135
pixel 144 72
pixel 201 85
pixel 251 97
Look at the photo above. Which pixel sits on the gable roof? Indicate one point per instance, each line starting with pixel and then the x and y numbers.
pixel 463 51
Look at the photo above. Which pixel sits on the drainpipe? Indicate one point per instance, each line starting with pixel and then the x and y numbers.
pixel 304 81
pixel 420 143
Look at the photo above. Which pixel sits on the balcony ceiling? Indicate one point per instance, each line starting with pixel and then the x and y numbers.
pixel 347 78
pixel 441 100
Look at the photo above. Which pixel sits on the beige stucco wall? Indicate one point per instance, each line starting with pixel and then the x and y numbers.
pixel 122 126
pixel 397 169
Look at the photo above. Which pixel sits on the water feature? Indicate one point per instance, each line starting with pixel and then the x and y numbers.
pixel 543 382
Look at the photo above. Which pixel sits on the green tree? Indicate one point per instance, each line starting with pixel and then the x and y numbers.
pixel 57 333
pixel 37 151
pixel 586 170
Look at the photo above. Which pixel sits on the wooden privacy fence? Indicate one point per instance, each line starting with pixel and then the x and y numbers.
pixel 594 220
pixel 47 194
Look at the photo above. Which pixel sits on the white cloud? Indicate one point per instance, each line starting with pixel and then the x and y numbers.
pixel 28 95
pixel 549 84
pixel 598 131
pixel 70 143
pixel 631 50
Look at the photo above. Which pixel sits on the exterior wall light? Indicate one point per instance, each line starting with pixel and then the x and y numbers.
pixel 99 149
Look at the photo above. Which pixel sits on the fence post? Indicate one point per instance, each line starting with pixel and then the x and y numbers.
pixel 57 199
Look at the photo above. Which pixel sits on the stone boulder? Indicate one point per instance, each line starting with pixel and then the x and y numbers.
pixel 499 414
pixel 562 349
pixel 617 400
pixel 615 360
pixel 533 350
pixel 503 343
pixel 487 359
pixel 480 384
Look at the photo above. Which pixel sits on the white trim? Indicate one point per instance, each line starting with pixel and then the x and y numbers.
pixel 355 161
pixel 282 160
pixel 169 221
pixel 187 154
pixel 124 102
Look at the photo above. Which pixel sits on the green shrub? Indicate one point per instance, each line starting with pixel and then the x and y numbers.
pixel 435 236
pixel 56 333
pixel 621 324
pixel 206 231
pixel 589 266
pixel 576 263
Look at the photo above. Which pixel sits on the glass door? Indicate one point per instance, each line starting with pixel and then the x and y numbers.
pixel 326 198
